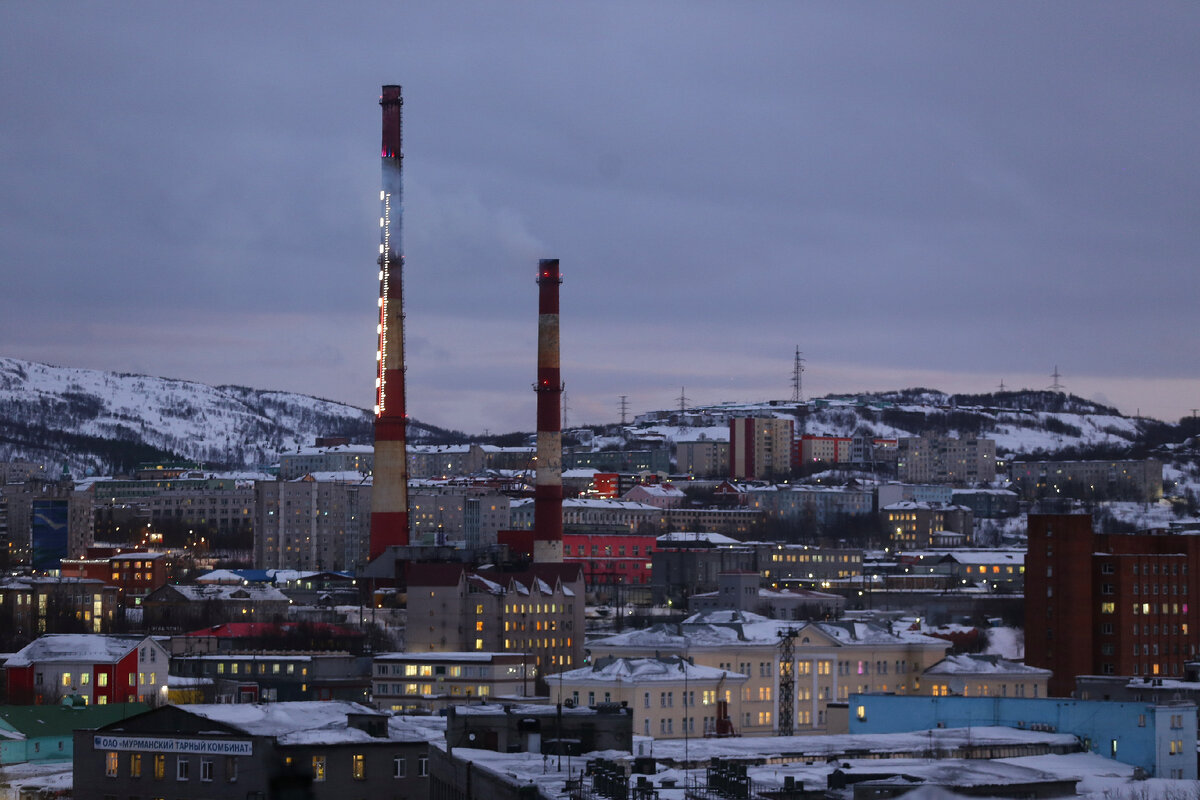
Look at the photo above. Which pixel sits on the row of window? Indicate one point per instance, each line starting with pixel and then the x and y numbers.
pixel 183 767
pixel 158 764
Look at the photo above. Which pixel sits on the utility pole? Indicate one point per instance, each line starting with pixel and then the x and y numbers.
pixel 624 405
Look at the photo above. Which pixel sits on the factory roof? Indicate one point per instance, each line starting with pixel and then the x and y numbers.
pixel 317 722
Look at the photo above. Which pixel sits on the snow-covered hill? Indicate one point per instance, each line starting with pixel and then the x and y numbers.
pixel 1022 423
pixel 104 421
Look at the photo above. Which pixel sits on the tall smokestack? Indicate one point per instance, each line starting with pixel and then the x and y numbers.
pixel 389 494
pixel 548 492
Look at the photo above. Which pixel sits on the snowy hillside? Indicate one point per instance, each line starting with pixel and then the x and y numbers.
pixel 102 421
pixel 1022 423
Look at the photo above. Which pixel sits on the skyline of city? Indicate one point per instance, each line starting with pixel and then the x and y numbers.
pixel 936 195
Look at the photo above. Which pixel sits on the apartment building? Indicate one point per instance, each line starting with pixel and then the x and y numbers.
pixel 669 697
pixel 933 458
pixel 760 448
pixel 319 521
pixel 539 611
pixel 829 661
pixel 427 682
pixel 704 458
pixel 1109 604
pixel 1141 481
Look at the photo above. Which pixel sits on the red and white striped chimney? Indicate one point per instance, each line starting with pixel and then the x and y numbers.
pixel 548 491
pixel 389 492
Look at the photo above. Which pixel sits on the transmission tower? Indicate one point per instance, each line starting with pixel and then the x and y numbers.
pixel 798 377
pixel 683 400
pixel 1001 384
pixel 1056 386
pixel 624 407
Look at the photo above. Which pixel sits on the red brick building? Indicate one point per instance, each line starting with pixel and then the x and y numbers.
pixel 1108 604
pixel 136 574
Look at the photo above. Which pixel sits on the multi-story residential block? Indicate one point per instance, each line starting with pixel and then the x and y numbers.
pixel 468 514
pixel 32 606
pixel 317 522
pixel 932 458
pixel 817 504
pixel 829 661
pixel 987 503
pixel 134 574
pixel 704 458
pixel 737 522
pixel 322 751
pixel 625 461
pixel 784 565
pixel 911 525
pixel 45 522
pixel 687 563
pixel 358 458
pixel 100 669
pixel 760 447
pixel 815 449
pixel 974 675
pixel 428 682
pixel 453 608
pixel 190 500
pixel 1109 604
pixel 1089 480
pixel 669 697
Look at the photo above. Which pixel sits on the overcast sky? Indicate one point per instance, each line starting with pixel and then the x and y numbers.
pixel 943 194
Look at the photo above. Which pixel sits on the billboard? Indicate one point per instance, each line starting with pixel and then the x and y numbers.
pixel 48 540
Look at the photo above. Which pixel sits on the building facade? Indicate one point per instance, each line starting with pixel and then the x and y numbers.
pixel 1140 481
pixel 1109 604
pixel 760 448
pixel 932 458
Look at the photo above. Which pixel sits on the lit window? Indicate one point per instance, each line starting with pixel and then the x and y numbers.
pixel 358 767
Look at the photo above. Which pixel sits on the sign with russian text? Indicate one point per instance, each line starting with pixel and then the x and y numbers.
pixel 162 744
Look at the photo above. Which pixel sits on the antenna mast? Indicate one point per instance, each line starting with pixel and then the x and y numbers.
pixel 798 377
pixel 624 406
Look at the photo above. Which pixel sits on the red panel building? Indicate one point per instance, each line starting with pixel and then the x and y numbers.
pixel 1108 604
pixel 610 558
pixel 101 669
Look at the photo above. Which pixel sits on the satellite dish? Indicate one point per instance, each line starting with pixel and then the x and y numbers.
pixel 957 685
